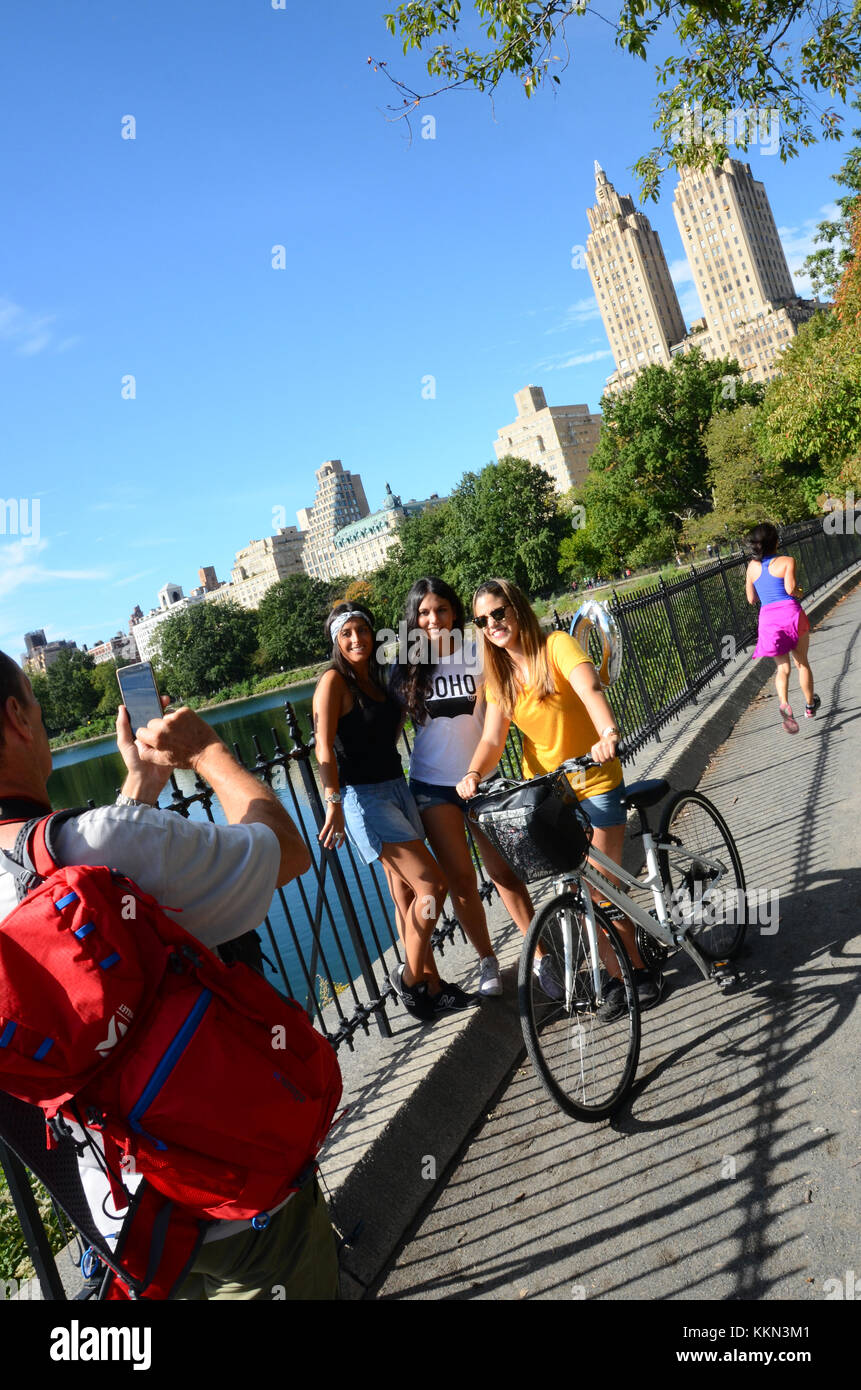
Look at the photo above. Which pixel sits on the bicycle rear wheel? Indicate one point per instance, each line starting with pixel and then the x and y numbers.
pixel 700 866
pixel 586 1060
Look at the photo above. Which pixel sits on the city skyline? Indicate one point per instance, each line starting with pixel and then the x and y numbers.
pixel 424 284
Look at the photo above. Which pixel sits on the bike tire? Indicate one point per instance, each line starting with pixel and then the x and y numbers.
pixel 586 1063
pixel 699 833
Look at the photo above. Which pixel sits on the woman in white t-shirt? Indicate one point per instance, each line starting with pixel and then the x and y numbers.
pixel 439 682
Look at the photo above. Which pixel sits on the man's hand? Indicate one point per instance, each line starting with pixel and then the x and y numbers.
pixel 179 740
pixel 145 781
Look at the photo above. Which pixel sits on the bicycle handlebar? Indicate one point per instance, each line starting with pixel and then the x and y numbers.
pixel 569 765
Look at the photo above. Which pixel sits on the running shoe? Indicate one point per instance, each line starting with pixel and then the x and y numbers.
pixel 614 1003
pixel 548 981
pixel 790 723
pixel 489 982
pixel 810 710
pixel 451 999
pixel 415 998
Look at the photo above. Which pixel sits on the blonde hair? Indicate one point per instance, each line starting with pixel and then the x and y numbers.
pixel 500 673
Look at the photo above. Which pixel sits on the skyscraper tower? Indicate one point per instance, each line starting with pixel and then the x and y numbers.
pixel 730 238
pixel 632 283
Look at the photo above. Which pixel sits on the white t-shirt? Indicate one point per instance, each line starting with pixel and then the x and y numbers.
pixel 443 746
pixel 217 881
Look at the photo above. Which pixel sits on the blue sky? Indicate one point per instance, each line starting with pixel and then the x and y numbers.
pixel 254 127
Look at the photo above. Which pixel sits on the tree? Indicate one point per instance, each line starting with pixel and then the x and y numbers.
pixel 104 680
pixel 744 60
pixel 72 697
pixel 812 411
pixel 291 619
pixel 826 267
pixel 747 487
pixel 648 476
pixel 206 648
pixel 507 521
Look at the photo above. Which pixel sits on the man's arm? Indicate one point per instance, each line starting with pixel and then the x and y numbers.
pixel 183 740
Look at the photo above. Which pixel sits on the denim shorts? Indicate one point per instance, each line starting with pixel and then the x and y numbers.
pixel 607 809
pixel 429 794
pixel 380 813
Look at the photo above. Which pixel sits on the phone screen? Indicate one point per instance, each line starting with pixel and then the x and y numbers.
pixel 140 694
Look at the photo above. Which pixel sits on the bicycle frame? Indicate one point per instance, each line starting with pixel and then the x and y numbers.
pixel 660 926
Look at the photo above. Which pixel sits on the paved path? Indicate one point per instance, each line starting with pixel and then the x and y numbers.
pixel 732 1173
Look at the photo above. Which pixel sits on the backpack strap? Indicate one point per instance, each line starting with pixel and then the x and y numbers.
pixel 157 1247
pixel 34 855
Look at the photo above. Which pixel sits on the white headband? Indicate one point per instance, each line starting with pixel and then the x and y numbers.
pixel 343 618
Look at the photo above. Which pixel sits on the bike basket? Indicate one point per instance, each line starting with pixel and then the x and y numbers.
pixel 538 827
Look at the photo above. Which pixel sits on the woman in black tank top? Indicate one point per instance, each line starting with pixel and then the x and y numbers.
pixel 356 728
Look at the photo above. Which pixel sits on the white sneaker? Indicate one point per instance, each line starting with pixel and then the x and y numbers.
pixel 547 979
pixel 489 980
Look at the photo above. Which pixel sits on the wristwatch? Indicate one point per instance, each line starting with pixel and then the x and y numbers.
pixel 130 801
pixel 333 796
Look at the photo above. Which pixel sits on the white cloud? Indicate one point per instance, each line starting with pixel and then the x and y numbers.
pixel 25 332
pixel 562 360
pixel 798 243
pixel 581 311
pixel 19 566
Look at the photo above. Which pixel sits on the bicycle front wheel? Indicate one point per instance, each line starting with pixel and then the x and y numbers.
pixel 584 1046
pixel 701 868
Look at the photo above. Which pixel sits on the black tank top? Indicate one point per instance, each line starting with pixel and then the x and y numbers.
pixel 364 743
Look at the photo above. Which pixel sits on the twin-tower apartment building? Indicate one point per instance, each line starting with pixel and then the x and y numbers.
pixel 751 309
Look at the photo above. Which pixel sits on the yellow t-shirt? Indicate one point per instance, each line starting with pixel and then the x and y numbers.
pixel 559 727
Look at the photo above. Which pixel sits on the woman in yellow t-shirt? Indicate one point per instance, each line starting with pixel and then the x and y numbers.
pixel 549 688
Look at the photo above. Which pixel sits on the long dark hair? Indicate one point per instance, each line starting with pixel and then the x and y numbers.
pixel 763 540
pixel 413 679
pixel 339 661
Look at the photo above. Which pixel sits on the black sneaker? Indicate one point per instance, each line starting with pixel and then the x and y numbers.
pixel 810 710
pixel 415 998
pixel 649 987
pixel 451 998
pixel 615 1001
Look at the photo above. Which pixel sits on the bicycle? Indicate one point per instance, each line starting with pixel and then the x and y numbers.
pixel 584 1046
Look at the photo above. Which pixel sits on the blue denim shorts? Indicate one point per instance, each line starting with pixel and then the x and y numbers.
pixel 607 809
pixel 429 794
pixel 380 813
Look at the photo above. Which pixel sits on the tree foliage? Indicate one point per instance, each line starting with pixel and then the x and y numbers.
pixel 205 647
pixel 734 57
pixel 747 486
pixel 812 411
pixel 72 698
pixel 291 618
pixel 649 474
pixel 826 266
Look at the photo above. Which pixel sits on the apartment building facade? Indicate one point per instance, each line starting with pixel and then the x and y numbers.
pixel 560 438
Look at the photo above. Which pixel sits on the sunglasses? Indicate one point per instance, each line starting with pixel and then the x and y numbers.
pixel 497 614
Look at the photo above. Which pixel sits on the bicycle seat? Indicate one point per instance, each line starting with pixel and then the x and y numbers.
pixel 639 795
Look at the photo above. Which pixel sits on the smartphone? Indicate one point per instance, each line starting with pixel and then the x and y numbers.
pixel 140 693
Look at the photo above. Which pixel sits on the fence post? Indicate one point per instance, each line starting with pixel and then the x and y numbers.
pixel 705 612
pixel 301 753
pixel 38 1247
pixel 735 622
pixel 675 636
pixel 629 647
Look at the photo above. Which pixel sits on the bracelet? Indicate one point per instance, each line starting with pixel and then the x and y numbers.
pixel 123 800
pixel 472 773
pixel 610 729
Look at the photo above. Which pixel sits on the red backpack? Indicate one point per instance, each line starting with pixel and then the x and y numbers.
pixel 198 1075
